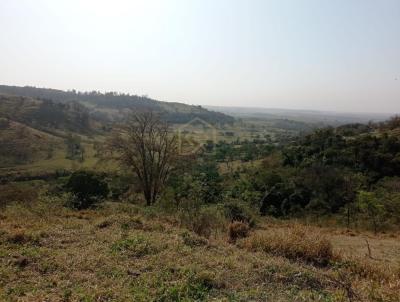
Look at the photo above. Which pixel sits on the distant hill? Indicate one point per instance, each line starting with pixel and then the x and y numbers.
pixel 112 106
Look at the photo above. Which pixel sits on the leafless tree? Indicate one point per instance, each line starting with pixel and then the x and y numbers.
pixel 145 145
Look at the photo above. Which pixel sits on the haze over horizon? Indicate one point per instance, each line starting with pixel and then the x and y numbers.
pixel 310 55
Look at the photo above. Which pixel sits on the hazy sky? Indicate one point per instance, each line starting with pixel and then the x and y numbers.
pixel 313 54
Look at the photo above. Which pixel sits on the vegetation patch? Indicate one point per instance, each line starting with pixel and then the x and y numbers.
pixel 193 240
pixel 196 287
pixel 137 246
pixel 297 243
pixel 237 230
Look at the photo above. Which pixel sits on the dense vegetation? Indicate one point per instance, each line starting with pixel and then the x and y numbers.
pixel 351 172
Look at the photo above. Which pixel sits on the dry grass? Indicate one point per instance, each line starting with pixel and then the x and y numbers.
pixel 237 230
pixel 122 253
pixel 297 243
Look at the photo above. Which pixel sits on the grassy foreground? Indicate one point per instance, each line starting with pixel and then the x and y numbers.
pixel 121 252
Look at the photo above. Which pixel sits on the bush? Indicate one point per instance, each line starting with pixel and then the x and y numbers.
pixel 202 220
pixel 297 243
pixel 237 230
pixel 86 189
pixel 236 211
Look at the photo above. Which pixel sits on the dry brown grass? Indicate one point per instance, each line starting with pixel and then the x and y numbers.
pixel 237 230
pixel 297 243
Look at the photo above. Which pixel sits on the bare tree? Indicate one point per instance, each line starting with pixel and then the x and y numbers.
pixel 146 145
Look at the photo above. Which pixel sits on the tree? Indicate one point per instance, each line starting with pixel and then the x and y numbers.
pixel 372 207
pixel 210 181
pixel 75 149
pixel 146 145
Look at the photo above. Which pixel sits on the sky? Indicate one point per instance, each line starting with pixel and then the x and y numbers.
pixel 341 55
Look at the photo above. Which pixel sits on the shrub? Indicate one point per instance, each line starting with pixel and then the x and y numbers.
pixel 297 243
pixel 237 230
pixel 86 189
pixel 202 220
pixel 236 211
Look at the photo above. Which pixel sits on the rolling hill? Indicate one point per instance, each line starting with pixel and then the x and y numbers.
pixel 113 106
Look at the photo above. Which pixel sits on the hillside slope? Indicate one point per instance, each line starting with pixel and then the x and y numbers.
pixel 23 144
pixel 113 106
pixel 45 115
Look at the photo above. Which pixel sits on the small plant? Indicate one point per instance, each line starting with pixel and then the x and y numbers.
pixel 237 230
pixel 86 188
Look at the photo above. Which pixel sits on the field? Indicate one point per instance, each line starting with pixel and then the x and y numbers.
pixel 123 252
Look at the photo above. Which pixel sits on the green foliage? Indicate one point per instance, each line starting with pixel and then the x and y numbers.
pixel 371 206
pixel 86 188
pixel 376 155
pixel 201 183
pixel 208 178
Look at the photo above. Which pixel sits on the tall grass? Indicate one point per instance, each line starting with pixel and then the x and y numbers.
pixel 297 243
